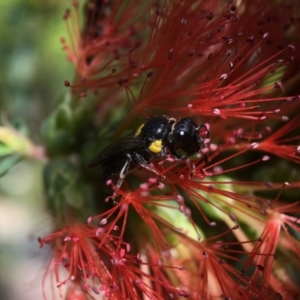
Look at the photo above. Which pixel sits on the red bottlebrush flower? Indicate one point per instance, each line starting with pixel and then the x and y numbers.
pixel 279 141
pixel 269 241
pixel 165 237
pixel 217 50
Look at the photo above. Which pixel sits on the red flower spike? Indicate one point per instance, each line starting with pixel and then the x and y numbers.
pixel 188 58
pixel 268 242
pixel 140 200
pixel 279 144
pixel 208 271
pixel 76 250
pixel 276 143
pixel 208 50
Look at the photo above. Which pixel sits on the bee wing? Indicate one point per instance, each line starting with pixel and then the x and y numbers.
pixel 114 151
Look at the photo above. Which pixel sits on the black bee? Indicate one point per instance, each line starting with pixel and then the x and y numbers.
pixel 155 138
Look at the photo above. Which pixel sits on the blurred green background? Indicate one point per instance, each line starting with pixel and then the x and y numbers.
pixel 33 70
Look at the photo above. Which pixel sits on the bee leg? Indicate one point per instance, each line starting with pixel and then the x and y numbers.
pixel 181 157
pixel 124 171
pixel 143 163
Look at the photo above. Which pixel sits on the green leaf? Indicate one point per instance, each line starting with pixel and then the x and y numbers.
pixel 7 162
pixel 63 117
pixel 62 186
pixel 57 140
pixel 4 149
pixel 12 141
pixel 59 175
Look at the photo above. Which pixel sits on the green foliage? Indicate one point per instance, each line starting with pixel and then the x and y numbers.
pixel 63 187
pixel 13 147
pixel 7 162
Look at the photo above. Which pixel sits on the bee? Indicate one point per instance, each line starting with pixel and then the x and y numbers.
pixel 156 138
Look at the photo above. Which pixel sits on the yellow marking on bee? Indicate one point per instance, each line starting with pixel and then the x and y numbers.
pixel 139 130
pixel 156 146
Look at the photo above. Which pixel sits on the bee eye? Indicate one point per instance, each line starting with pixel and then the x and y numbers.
pixel 181 132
